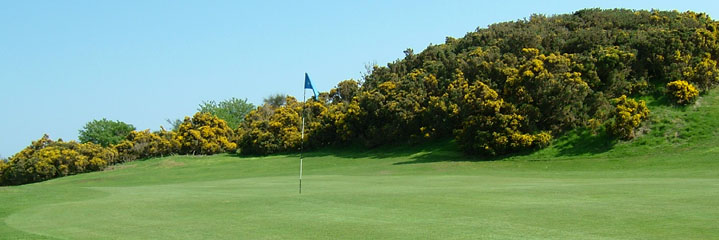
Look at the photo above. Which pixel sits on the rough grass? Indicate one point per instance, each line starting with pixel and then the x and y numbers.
pixel 663 185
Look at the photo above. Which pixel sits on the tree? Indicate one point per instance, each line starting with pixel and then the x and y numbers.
pixel 232 110
pixel 174 124
pixel 275 100
pixel 345 91
pixel 105 132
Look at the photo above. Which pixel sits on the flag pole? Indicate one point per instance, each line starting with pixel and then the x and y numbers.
pixel 302 140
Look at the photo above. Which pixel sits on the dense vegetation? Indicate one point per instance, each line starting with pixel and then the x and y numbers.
pixel 204 133
pixel 512 86
pixel 508 88
pixel 45 159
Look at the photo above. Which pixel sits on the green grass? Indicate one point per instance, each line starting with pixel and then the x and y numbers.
pixel 663 185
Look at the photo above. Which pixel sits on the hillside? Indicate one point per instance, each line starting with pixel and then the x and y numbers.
pixel 512 88
pixel 662 185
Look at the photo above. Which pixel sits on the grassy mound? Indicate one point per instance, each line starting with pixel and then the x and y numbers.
pixel 663 185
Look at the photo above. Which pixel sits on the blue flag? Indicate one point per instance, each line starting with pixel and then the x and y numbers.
pixel 308 84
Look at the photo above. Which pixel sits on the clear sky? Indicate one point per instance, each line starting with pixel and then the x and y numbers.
pixel 64 63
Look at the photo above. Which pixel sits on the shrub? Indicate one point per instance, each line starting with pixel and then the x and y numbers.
pixel 98 157
pixel 205 133
pixel 705 73
pixel 144 144
pixel 105 132
pixel 3 166
pixel 547 90
pixel 491 126
pixel 273 128
pixel 393 111
pixel 339 123
pixel 45 159
pixel 628 115
pixel 682 92
pixel 498 134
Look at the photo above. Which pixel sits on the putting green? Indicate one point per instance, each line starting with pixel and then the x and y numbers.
pixel 433 200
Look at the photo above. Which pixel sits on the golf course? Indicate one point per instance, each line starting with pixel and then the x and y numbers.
pixel 662 185
pixel 594 124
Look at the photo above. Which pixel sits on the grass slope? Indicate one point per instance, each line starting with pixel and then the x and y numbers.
pixel 663 185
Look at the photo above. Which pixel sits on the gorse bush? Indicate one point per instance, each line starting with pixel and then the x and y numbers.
pixel 627 116
pixel 704 73
pixel 491 126
pixel 204 134
pixel 145 144
pixel 3 166
pixel 45 159
pixel 682 92
pixel 272 128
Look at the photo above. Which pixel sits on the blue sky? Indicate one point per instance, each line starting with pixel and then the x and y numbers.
pixel 64 63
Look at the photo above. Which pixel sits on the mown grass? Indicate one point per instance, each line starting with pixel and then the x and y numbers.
pixel 663 185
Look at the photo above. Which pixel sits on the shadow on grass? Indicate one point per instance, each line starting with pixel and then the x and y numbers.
pixel 388 150
pixel 574 143
pixel 444 150
pixel 424 152
pixel 583 142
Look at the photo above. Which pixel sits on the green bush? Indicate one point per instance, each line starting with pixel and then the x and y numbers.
pixel 105 132
pixel 232 110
